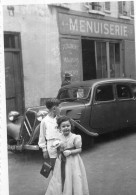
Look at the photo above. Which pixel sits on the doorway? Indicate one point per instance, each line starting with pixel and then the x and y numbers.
pixel 13 73
pixel 88 58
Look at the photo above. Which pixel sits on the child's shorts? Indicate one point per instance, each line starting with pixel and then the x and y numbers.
pixel 52 151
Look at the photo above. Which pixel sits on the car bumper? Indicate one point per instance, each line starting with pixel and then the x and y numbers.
pixel 22 147
pixel 31 147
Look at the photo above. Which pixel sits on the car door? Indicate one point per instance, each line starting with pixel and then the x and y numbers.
pixel 133 113
pixel 126 104
pixel 104 108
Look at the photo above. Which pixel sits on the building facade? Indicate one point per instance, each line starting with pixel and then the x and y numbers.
pixel 42 42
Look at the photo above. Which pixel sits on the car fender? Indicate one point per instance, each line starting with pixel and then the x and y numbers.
pixel 13 129
pixel 86 131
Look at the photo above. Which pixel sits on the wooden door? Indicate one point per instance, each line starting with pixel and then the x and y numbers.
pixel 14 89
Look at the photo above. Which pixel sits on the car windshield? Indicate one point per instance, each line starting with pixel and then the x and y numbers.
pixel 74 93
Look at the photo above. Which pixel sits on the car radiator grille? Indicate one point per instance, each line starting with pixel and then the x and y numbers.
pixel 28 126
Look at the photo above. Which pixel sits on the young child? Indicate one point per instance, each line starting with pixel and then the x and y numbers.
pixel 69 176
pixel 49 131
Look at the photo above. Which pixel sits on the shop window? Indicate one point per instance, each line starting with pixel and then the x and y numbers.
pixel 104 93
pixel 124 92
pixel 11 41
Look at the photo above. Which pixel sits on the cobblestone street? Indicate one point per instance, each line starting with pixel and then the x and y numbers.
pixel 110 166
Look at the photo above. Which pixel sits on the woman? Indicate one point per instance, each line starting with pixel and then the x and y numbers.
pixel 69 176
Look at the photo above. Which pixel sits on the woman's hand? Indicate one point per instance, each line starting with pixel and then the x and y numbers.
pixel 67 153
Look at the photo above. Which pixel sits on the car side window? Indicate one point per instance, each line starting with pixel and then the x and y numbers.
pixel 104 93
pixel 123 91
pixel 133 86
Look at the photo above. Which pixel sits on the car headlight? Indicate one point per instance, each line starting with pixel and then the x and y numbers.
pixel 13 115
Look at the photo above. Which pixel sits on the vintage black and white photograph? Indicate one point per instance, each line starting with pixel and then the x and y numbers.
pixel 70 83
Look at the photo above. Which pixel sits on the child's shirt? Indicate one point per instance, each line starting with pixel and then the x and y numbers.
pixel 48 131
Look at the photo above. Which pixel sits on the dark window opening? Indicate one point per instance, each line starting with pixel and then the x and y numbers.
pixel 96 6
pixel 88 57
pixel 11 41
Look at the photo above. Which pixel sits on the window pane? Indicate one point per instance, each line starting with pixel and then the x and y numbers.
pixel 134 89
pixel 107 6
pixel 132 8
pixel 117 59
pixel 112 59
pixel 117 53
pixel 99 66
pixel 11 41
pixel 123 92
pixel 104 93
pixel 101 58
pixel 96 6
pixel 75 93
pixel 104 61
pixel 120 7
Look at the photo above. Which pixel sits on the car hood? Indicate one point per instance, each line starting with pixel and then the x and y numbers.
pixel 72 109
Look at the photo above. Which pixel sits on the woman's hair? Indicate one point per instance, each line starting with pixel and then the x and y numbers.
pixel 50 102
pixel 62 119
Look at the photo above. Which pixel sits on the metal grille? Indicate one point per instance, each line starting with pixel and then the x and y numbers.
pixel 28 126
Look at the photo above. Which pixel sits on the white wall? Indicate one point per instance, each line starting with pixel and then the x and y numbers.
pixel 40 50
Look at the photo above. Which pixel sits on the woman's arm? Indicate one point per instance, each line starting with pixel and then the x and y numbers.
pixel 72 152
pixel 76 151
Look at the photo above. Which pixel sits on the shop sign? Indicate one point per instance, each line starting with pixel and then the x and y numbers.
pixel 76 25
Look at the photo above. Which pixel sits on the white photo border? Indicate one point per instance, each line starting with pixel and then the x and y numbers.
pixel 4 183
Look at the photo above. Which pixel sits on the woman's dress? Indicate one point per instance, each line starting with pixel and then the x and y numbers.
pixel 75 174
